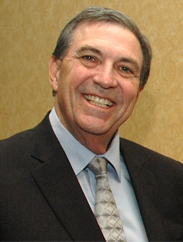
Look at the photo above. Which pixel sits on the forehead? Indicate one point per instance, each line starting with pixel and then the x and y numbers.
pixel 108 37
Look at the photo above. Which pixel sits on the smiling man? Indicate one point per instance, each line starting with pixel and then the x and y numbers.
pixel 97 82
pixel 72 178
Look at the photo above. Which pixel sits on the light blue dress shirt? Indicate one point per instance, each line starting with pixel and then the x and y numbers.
pixel 79 157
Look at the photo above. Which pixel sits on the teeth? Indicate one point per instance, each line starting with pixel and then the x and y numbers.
pixel 100 102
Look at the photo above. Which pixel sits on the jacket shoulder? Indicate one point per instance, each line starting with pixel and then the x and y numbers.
pixel 19 147
pixel 16 142
pixel 131 148
pixel 159 164
pixel 23 140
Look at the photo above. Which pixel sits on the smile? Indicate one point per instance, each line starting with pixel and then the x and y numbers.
pixel 99 102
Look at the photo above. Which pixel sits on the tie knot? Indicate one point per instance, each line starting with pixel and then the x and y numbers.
pixel 98 165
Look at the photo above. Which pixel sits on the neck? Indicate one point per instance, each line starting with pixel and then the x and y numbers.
pixel 98 144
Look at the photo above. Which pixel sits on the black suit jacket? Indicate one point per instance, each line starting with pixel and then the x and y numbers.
pixel 41 199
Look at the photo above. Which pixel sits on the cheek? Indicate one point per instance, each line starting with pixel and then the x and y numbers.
pixel 68 90
pixel 129 94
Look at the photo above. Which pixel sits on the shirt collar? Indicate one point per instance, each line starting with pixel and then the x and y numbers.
pixel 78 155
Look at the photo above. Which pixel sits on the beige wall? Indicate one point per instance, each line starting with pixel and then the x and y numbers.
pixel 28 33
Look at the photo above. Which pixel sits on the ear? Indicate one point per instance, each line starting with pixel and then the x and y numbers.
pixel 54 66
pixel 139 92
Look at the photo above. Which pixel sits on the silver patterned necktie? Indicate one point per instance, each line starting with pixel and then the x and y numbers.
pixel 106 211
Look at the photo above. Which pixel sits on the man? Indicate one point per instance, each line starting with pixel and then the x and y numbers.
pixel 97 72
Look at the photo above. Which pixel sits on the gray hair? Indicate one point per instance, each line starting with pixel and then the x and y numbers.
pixel 99 14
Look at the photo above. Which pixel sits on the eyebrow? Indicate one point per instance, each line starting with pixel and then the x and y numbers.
pixel 90 48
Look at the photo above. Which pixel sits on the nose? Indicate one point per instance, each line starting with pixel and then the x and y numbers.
pixel 105 76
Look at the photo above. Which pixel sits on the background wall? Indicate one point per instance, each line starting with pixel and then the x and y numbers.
pixel 28 33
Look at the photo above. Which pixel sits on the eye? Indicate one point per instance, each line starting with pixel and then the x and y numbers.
pixel 125 69
pixel 88 57
pixel 126 72
pixel 89 61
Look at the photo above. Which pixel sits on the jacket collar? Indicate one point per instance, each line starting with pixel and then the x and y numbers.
pixel 57 181
pixel 147 192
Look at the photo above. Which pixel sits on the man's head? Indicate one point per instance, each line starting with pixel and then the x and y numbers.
pixel 99 14
pixel 96 76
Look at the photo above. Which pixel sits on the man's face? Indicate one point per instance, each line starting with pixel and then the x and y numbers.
pixel 97 82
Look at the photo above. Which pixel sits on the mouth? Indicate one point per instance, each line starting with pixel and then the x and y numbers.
pixel 99 102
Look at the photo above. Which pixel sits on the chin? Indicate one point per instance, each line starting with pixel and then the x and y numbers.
pixel 95 129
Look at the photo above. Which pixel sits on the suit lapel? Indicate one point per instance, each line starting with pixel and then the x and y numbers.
pixel 60 187
pixel 146 190
pixel 158 206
